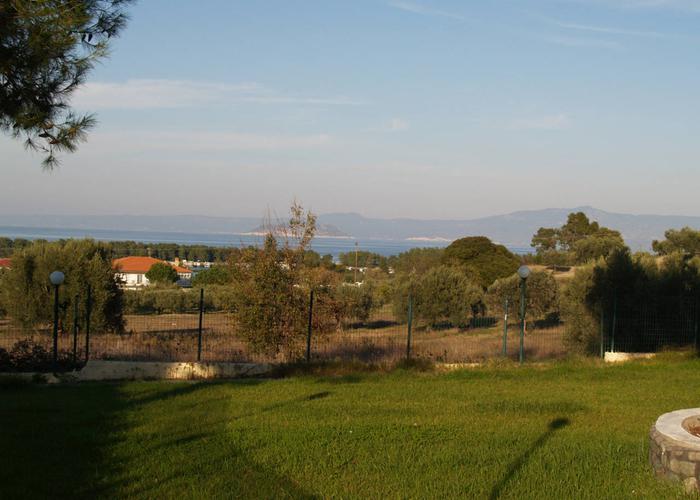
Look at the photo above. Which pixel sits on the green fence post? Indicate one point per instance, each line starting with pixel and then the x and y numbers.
pixel 505 328
pixel 199 329
pixel 88 309
pixel 695 329
pixel 75 329
pixel 614 324
pixel 410 325
pixel 308 333
pixel 523 291
pixel 602 332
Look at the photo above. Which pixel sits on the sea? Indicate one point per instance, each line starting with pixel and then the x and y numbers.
pixel 322 245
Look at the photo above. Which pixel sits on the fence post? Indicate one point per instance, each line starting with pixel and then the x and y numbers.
pixel 55 328
pixel 88 310
pixel 410 326
pixel 308 333
pixel 523 294
pixel 614 324
pixel 199 329
pixel 695 329
pixel 505 329
pixel 602 331
pixel 75 329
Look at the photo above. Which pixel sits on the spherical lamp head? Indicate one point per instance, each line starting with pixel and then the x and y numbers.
pixel 57 278
pixel 523 272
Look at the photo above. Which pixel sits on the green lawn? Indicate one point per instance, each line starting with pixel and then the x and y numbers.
pixel 567 430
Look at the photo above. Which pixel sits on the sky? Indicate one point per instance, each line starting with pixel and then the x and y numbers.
pixel 388 108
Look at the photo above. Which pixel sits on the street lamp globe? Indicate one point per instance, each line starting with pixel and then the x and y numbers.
pixel 523 272
pixel 57 278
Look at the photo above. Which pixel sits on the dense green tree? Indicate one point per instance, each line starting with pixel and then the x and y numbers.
pixel 161 273
pixel 47 48
pixel 357 301
pixel 483 260
pixel 577 241
pixel 598 245
pixel 542 295
pixel 447 295
pixel 546 239
pixel 416 260
pixel 577 227
pixel 26 293
pixel 581 318
pixel 364 259
pixel 214 275
pixel 685 240
pixel 444 295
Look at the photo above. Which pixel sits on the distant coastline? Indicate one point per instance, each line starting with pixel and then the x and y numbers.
pixel 322 244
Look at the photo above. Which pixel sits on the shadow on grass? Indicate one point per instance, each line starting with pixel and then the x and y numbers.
pixel 116 440
pixel 521 461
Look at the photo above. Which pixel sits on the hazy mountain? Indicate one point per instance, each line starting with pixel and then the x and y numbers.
pixel 514 229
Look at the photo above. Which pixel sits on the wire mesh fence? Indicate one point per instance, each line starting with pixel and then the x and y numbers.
pixel 382 336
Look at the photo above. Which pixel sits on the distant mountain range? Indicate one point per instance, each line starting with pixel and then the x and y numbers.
pixel 514 229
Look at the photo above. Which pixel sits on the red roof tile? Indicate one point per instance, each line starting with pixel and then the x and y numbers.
pixel 141 265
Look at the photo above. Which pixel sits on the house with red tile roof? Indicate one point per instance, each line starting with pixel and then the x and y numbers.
pixel 131 271
pixel 5 263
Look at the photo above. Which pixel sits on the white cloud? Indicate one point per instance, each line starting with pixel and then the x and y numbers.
pixel 201 142
pixel 607 30
pixel 154 94
pixel 397 124
pixel 550 122
pixel 424 10
pixel 688 5
pixel 582 42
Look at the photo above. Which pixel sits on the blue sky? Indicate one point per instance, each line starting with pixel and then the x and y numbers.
pixel 415 108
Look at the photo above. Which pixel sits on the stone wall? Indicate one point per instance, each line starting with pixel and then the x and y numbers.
pixel 675 453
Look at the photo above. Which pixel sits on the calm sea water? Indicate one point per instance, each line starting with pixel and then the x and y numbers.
pixel 333 246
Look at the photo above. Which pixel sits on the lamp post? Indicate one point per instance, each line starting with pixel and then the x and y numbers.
pixel 56 278
pixel 524 273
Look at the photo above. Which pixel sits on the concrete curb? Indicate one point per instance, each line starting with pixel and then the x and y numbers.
pixel 143 370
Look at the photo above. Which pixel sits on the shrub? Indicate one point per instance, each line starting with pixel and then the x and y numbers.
pixel 443 295
pixel 483 260
pixel 582 325
pixel 357 301
pixel 161 273
pixel 542 295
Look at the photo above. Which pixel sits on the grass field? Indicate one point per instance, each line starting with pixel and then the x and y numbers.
pixel 563 430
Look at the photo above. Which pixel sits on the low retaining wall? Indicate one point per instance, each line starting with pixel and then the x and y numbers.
pixel 619 357
pixel 137 370
pixel 673 451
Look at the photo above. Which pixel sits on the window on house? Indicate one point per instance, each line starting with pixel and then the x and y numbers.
pixel 139 278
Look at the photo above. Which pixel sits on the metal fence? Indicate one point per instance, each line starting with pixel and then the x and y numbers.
pixel 383 337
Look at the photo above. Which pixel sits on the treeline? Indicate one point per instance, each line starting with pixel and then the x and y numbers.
pixel 117 249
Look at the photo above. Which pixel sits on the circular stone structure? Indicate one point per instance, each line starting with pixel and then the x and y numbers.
pixel 674 447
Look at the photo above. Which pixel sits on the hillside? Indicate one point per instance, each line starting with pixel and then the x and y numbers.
pixel 514 229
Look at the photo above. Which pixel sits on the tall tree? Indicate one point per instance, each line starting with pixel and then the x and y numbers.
pixel 47 48
pixel 685 240
pixel 578 240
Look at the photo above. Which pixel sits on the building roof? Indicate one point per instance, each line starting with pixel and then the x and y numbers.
pixel 5 262
pixel 141 265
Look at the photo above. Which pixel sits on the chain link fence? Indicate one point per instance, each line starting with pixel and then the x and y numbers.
pixel 382 337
